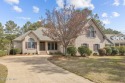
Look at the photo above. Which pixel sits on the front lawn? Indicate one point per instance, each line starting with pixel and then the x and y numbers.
pixel 3 73
pixel 98 69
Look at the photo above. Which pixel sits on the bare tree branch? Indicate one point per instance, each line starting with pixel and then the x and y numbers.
pixel 66 24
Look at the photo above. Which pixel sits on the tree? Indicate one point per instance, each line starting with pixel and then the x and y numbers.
pixel 26 27
pixel 3 42
pixel 31 26
pixel 66 24
pixel 1 29
pixel 11 31
pixel 102 25
pixel 11 27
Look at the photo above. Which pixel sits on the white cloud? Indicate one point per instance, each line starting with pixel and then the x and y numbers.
pixel 17 9
pixel 123 2
pixel 24 18
pixel 35 9
pixel 60 3
pixel 106 21
pixel 77 4
pixel 115 14
pixel 104 15
pixel 116 2
pixel 12 1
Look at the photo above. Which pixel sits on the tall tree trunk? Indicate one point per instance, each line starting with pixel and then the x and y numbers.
pixel 65 50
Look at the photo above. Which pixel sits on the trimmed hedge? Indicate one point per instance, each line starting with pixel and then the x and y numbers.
pixel 121 50
pixel 72 50
pixel 115 51
pixel 2 53
pixel 15 51
pixel 108 50
pixel 102 52
pixel 83 50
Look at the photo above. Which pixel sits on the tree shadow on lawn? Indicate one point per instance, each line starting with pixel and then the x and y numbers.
pixel 37 64
pixel 115 68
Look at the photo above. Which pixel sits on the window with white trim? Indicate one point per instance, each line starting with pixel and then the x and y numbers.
pixel 52 45
pixel 31 43
pixel 91 32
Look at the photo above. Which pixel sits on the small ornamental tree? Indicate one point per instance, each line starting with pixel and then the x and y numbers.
pixel 72 50
pixel 65 24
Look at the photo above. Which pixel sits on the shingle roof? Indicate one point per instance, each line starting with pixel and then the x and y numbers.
pixel 40 35
pixel 116 35
pixel 37 33
pixel 21 37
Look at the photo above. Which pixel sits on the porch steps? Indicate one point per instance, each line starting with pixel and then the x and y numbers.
pixel 43 53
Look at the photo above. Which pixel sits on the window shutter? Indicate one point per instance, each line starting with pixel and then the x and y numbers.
pixel 36 45
pixel 94 47
pixel 98 46
pixel 26 44
pixel 88 33
pixel 94 34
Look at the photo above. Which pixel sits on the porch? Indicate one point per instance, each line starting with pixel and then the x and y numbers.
pixel 47 47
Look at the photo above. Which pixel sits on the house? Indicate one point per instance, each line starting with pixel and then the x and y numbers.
pixel 116 39
pixel 37 42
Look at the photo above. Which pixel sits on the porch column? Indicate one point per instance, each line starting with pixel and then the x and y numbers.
pixel 38 47
pixel 46 46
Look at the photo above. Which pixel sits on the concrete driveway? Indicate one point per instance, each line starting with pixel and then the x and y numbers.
pixel 37 69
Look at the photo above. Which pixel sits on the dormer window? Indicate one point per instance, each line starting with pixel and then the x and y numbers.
pixel 91 32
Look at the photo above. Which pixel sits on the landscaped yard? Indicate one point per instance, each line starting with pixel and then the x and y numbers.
pixel 3 73
pixel 98 69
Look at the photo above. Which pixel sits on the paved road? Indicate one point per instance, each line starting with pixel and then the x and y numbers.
pixel 37 69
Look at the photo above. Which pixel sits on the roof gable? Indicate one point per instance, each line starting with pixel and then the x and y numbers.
pixel 38 33
pixel 20 38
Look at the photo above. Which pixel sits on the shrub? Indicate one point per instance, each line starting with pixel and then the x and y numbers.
pixel 115 51
pixel 72 50
pixel 15 51
pixel 2 53
pixel 84 51
pixel 89 52
pixel 121 50
pixel 95 54
pixel 18 51
pixel 102 52
pixel 108 50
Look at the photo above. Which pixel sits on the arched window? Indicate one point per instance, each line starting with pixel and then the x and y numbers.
pixel 91 32
pixel 31 43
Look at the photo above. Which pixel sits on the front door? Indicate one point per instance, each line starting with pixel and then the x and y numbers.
pixel 42 46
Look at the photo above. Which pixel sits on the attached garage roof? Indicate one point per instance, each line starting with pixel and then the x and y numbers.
pixel 109 36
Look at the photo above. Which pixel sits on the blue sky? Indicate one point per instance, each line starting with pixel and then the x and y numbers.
pixel 111 12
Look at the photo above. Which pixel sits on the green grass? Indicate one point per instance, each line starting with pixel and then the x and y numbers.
pixel 3 73
pixel 98 69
